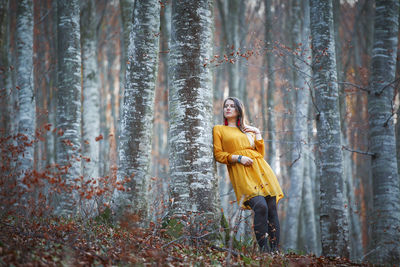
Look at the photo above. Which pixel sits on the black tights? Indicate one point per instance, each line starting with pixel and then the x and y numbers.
pixel 265 221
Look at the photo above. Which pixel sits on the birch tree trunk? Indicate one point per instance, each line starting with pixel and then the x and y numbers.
pixel 310 226
pixel 4 77
pixel 91 97
pixel 230 13
pixel 386 204
pixel 269 120
pixel 68 117
pixel 7 128
pixel 301 73
pixel 354 230
pixel 126 9
pixel 194 187
pixel 138 109
pixel 26 96
pixel 333 220
pixel 51 38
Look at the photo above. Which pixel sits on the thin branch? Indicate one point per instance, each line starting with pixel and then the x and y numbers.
pixel 225 249
pixel 386 86
pixel 188 237
pixel 173 241
pixel 358 151
pixel 297 159
pixel 391 115
pixel 356 86
pixel 313 100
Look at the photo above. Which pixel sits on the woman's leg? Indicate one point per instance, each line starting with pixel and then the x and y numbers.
pixel 259 205
pixel 273 223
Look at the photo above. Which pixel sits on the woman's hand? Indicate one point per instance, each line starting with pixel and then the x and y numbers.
pixel 251 129
pixel 246 161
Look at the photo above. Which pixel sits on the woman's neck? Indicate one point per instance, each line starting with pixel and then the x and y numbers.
pixel 232 122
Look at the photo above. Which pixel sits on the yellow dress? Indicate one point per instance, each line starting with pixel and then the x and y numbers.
pixel 257 179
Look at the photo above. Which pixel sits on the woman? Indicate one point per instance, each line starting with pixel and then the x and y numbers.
pixel 241 147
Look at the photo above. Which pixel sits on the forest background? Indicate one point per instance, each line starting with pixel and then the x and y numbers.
pixel 107 110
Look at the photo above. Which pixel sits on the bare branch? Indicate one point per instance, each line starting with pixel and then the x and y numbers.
pixel 387 85
pixel 356 86
pixel 359 151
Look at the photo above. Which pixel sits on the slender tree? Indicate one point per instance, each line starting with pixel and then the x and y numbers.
pixel 90 94
pixel 333 220
pixel 192 170
pixel 26 97
pixel 4 73
pixel 126 9
pixel 268 101
pixel 354 230
pixel 68 117
pixel 138 108
pixel 386 192
pixel 230 16
pixel 302 74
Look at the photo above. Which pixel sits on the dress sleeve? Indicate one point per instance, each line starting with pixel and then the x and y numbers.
pixel 260 147
pixel 220 155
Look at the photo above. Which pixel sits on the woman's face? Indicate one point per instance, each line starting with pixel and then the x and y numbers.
pixel 230 110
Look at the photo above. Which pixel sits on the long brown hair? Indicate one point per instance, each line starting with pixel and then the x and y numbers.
pixel 241 118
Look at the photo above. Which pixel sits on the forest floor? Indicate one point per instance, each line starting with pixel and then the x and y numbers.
pixel 62 242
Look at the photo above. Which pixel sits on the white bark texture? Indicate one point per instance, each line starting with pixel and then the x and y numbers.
pixel 138 109
pixel 269 122
pixel 230 13
pixel 385 222
pixel 302 73
pixel 126 7
pixel 333 220
pixel 310 237
pixel 26 99
pixel 192 169
pixel 4 74
pixel 91 96
pixel 68 117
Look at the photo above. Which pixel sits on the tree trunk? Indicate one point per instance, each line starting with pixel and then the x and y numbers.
pixel 301 74
pixel 26 97
pixel 194 187
pixel 354 230
pixel 68 102
pixel 230 12
pixel 138 109
pixel 333 220
pixel 5 118
pixel 91 97
pixel 385 222
pixel 310 226
pixel 269 122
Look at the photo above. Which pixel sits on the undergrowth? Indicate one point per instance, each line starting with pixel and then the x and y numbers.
pixel 56 241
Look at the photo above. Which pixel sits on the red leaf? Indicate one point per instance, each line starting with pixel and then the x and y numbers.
pixel 100 137
pixel 47 126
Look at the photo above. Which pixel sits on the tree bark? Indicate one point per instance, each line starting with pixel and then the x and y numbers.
pixel 269 122
pixel 26 97
pixel 68 103
pixel 91 98
pixel 138 109
pixel 192 168
pixel 333 220
pixel 4 76
pixel 385 222
pixel 301 74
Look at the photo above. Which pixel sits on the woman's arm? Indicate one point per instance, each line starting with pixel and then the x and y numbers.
pixel 225 157
pixel 259 142
pixel 220 155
